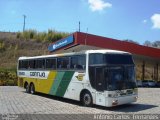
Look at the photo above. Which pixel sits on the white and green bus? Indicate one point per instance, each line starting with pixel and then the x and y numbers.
pixel 101 77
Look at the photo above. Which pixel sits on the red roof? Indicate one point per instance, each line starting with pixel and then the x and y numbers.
pixel 109 43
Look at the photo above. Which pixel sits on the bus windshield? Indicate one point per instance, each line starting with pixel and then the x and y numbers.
pixel 118 59
pixel 121 73
pixel 120 78
pixel 117 71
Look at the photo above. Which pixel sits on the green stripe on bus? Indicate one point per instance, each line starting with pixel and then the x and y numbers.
pixel 64 83
pixel 56 83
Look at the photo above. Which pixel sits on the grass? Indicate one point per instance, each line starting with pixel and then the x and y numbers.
pixel 49 36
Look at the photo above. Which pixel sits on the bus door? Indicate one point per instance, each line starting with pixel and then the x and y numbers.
pixel 99 79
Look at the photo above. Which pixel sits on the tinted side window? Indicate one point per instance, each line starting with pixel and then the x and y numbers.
pixel 40 63
pixel 119 59
pixel 23 64
pixel 51 63
pixel 31 64
pixel 20 65
pixel 63 63
pixel 96 58
pixel 78 62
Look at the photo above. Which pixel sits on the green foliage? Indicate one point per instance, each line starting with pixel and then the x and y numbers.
pixel 155 44
pixel 131 41
pixel 50 36
pixel 8 77
pixel 18 35
pixel 2 46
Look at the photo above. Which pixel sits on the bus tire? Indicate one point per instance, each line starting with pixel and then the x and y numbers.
pixel 32 88
pixel 27 88
pixel 86 99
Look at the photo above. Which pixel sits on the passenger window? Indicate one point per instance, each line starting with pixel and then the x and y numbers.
pixel 78 62
pixel 51 63
pixel 63 63
pixel 31 64
pixel 23 64
pixel 40 63
pixel 20 66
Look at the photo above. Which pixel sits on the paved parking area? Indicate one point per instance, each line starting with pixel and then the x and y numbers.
pixel 14 100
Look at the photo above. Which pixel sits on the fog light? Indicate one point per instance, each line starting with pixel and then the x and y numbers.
pixel 136 98
pixel 115 102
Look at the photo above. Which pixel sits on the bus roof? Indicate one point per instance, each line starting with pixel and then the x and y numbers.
pixel 76 53
pixel 107 51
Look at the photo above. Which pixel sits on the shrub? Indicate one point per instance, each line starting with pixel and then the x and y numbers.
pixel 8 77
pixel 2 46
pixel 50 36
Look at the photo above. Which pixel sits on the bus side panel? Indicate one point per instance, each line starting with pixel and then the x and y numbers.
pixel 20 82
pixel 75 86
pixel 56 83
pixel 73 91
pixel 44 85
pixel 64 83
pixel 61 83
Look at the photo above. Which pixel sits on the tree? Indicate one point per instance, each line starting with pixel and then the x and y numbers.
pixel 131 41
pixel 148 43
pixel 156 44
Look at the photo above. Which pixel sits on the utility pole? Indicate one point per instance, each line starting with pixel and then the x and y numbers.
pixel 79 26
pixel 86 37
pixel 24 23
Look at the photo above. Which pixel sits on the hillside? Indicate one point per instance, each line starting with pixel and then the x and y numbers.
pixel 7 35
pixel 30 43
pixel 13 48
pixel 15 45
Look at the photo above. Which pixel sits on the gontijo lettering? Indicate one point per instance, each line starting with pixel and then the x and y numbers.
pixel 37 74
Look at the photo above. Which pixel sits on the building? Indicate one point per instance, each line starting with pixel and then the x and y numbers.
pixel 147 59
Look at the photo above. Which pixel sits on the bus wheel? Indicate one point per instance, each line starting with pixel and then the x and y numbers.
pixel 32 88
pixel 87 99
pixel 27 88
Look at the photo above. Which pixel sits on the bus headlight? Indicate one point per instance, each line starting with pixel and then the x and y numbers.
pixel 115 102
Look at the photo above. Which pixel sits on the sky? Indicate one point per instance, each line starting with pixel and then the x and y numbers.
pixel 137 20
